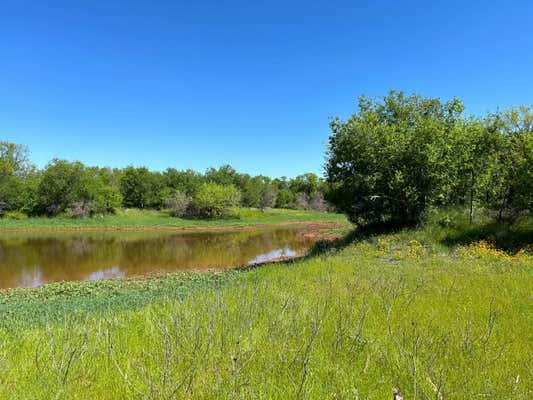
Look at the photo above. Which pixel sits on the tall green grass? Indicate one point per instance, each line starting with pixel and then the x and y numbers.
pixel 134 218
pixel 419 310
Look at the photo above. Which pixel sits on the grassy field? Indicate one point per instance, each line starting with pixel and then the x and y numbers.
pixel 135 219
pixel 444 311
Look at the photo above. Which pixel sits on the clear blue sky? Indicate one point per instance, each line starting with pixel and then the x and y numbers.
pixel 191 84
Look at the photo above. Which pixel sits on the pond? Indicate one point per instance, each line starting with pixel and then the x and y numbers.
pixel 31 260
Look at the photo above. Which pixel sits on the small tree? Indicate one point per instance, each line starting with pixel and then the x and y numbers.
pixel 15 169
pixel 141 188
pixel 302 201
pixel 268 198
pixel 318 203
pixel 215 201
pixel 506 189
pixel 178 204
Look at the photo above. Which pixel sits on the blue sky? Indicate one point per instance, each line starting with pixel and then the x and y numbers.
pixel 250 83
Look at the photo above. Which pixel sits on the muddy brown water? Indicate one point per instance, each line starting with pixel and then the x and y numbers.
pixel 31 260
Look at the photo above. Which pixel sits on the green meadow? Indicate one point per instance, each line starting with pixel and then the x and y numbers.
pixel 441 311
pixel 145 219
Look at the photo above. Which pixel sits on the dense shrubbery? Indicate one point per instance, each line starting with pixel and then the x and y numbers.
pixel 212 200
pixel 74 190
pixel 179 204
pixel 393 159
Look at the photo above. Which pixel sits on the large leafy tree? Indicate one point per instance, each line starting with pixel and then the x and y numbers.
pixel 506 187
pixel 62 184
pixel 71 185
pixel 385 162
pixel 17 178
pixel 141 188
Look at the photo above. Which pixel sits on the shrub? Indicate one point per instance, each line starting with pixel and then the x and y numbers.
pixel 268 198
pixel 14 215
pixel 72 185
pixel 178 204
pixel 80 209
pixel 302 201
pixel 318 203
pixel 215 201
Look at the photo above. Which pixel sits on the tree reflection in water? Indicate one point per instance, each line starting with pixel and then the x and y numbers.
pixel 29 260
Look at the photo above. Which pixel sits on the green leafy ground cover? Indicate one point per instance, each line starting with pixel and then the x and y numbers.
pixel 134 218
pixel 443 311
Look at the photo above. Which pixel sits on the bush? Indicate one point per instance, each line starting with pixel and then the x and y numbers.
pixel 178 204
pixel 318 203
pixel 14 215
pixel 72 185
pixel 80 209
pixel 268 198
pixel 215 201
pixel 302 201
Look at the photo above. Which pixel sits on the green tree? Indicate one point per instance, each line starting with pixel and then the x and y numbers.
pixel 212 200
pixel 307 183
pixel 62 184
pixel 507 184
pixel 382 165
pixel 252 190
pixel 182 181
pixel 103 188
pixel 268 197
pixel 17 178
pixel 71 186
pixel 285 196
pixel 225 175
pixel 141 188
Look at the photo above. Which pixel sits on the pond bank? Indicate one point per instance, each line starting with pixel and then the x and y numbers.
pixel 160 220
pixel 40 258
pixel 194 228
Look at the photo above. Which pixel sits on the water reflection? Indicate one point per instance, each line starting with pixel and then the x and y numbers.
pixel 33 260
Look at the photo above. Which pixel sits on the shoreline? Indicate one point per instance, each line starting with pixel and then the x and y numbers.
pixel 207 228
pixel 312 230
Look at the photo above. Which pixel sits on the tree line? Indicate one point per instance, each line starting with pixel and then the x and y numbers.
pixel 390 162
pixel 73 189
pixel 400 155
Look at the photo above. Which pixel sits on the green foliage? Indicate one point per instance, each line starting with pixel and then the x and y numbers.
pixel 254 189
pixel 134 218
pixel 382 161
pixel 62 184
pixel 394 159
pixel 387 310
pixel 307 183
pixel 16 215
pixel 507 182
pixel 71 189
pixel 78 190
pixel 212 200
pixel 225 175
pixel 17 183
pixel 141 188
pixel 268 197
pixel 182 181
